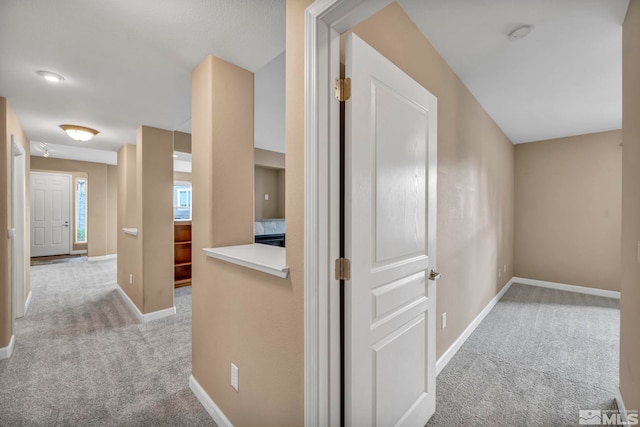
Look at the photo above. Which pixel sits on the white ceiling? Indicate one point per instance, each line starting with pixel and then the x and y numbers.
pixel 564 79
pixel 125 63
pixel 128 63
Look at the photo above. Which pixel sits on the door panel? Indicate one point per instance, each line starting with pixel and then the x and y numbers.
pixel 400 371
pixel 390 129
pixel 400 153
pixel 50 214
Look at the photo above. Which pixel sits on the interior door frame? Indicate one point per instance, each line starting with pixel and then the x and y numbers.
pixel 72 199
pixel 325 20
pixel 18 224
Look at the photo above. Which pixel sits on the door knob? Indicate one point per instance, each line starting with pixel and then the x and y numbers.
pixel 434 275
pixel 66 224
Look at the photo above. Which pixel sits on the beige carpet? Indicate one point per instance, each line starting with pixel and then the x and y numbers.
pixel 536 360
pixel 82 359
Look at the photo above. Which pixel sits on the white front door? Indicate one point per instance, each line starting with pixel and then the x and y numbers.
pixel 390 208
pixel 50 214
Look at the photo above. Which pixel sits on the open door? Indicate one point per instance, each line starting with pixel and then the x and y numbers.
pixel 390 235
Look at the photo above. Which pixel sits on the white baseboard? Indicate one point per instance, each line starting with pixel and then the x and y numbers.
pixel 148 317
pixel 79 252
pixel 5 352
pixel 27 303
pixel 451 351
pixel 568 288
pixel 209 405
pixel 621 408
pixel 102 258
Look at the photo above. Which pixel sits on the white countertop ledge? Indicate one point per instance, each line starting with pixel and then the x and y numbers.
pixel 132 231
pixel 266 258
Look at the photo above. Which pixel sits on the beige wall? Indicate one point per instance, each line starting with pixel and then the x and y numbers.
pixel 101 233
pixel 145 202
pixel 475 177
pixel 567 210
pixel 240 316
pixel 154 181
pixel 181 142
pixel 128 261
pixel 629 290
pixel 182 176
pixel 269 181
pixel 9 125
pixel 112 209
pixel 270 159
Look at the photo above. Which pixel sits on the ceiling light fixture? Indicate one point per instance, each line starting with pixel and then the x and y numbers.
pixel 46 153
pixel 50 76
pixel 79 133
pixel 175 156
pixel 521 32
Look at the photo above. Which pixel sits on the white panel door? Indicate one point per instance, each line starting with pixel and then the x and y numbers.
pixel 390 208
pixel 50 214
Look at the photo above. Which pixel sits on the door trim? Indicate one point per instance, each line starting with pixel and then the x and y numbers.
pixel 325 20
pixel 19 259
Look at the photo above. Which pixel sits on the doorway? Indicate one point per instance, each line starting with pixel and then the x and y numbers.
pixel 50 214
pixel 18 227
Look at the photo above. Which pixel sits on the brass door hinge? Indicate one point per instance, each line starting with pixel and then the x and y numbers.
pixel 343 89
pixel 343 269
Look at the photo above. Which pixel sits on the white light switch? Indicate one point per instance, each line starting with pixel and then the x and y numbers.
pixel 266 197
pixel 444 320
pixel 11 233
pixel 131 279
pixel 234 376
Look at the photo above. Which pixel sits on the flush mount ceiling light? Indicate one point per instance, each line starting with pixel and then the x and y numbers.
pixel 50 76
pixel 79 133
pixel 521 32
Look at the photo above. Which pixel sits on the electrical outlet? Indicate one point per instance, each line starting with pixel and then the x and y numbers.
pixel 444 320
pixel 505 268
pixel 131 279
pixel 234 376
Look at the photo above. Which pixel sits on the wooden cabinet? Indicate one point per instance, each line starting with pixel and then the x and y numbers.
pixel 182 253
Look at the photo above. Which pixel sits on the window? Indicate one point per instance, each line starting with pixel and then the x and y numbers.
pixel 182 201
pixel 184 197
pixel 81 210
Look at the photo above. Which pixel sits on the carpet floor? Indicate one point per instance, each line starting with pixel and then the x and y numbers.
pixel 537 359
pixel 82 359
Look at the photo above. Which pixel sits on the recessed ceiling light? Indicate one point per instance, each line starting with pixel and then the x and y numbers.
pixel 521 32
pixel 79 133
pixel 46 153
pixel 175 156
pixel 50 77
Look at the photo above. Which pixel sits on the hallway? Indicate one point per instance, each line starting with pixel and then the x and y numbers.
pixel 81 357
